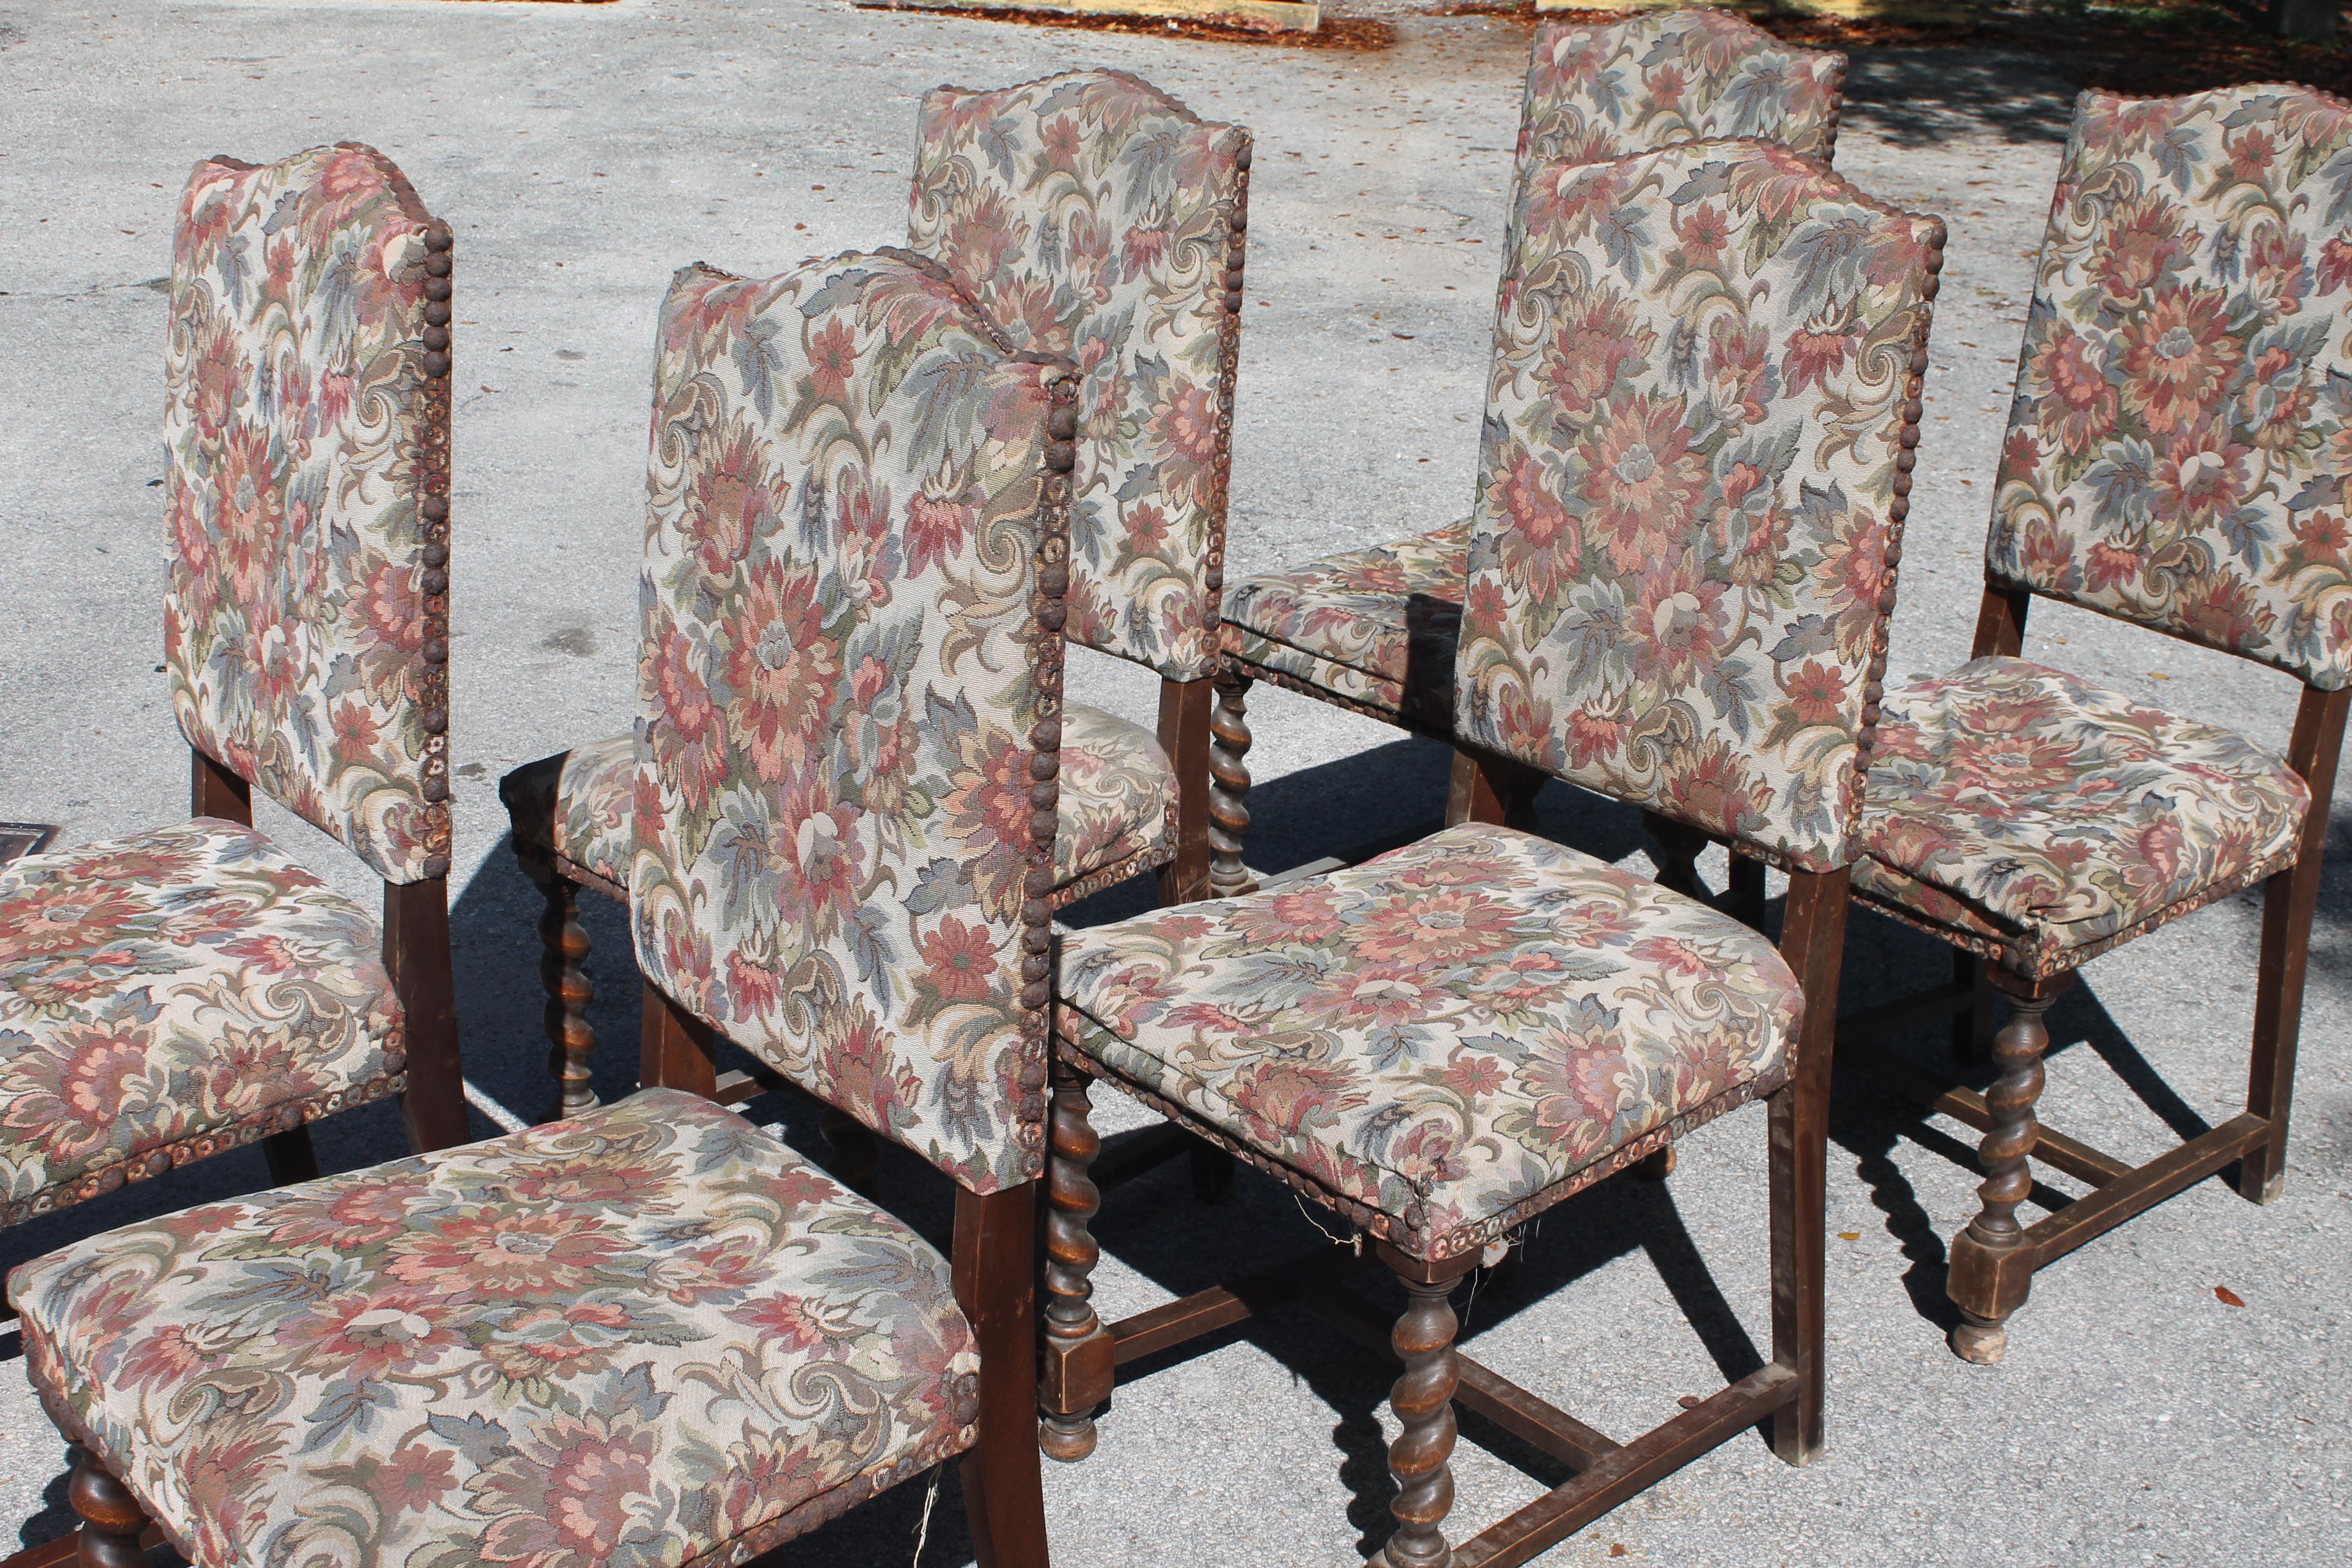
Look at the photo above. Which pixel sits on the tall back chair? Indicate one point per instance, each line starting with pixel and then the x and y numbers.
pixel 2176 459
pixel 1092 215
pixel 1375 630
pixel 651 1331
pixel 1089 215
pixel 177 992
pixel 1680 573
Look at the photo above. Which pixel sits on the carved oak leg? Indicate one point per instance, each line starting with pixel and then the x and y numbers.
pixel 563 975
pixel 1077 1374
pixel 1989 1276
pixel 112 1519
pixel 1423 1402
pixel 1229 782
pixel 1677 847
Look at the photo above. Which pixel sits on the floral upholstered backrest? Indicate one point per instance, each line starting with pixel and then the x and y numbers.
pixel 847 694
pixel 1093 217
pixel 305 430
pixel 2182 430
pixel 1696 454
pixel 1596 92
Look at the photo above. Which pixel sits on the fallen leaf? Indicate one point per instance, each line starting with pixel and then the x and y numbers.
pixel 2158 675
pixel 1689 1401
pixel 1616 1549
pixel 1401 337
pixel 1849 1235
pixel 2227 1297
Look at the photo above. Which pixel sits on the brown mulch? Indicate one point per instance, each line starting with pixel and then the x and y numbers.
pixel 2159 47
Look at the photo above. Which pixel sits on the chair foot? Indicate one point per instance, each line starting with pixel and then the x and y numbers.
pixel 564 974
pixel 1423 1402
pixel 2262 1189
pixel 1980 1343
pixel 1228 782
pixel 112 1519
pixel 1076 1369
pixel 1991 1271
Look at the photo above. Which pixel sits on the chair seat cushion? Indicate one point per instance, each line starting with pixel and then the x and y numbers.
pixel 1117 816
pixel 1375 627
pixel 170 994
pixel 2050 818
pixel 639 1336
pixel 1453 1036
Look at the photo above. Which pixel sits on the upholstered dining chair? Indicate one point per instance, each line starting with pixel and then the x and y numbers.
pixel 1373 630
pixel 175 992
pixel 1091 215
pixel 1680 578
pixel 651 1332
pixel 2176 459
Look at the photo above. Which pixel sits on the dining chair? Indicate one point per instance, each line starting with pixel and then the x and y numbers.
pixel 2174 459
pixel 1681 572
pixel 1091 215
pixel 172 994
pixel 1373 630
pixel 651 1332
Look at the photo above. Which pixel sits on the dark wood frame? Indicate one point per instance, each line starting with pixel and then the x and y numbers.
pixel 1994 1259
pixel 1082 1354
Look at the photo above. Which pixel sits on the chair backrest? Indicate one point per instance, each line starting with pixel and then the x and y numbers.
pixel 2182 428
pixel 850 696
pixel 1092 215
pixel 305 430
pixel 1687 75
pixel 1694 476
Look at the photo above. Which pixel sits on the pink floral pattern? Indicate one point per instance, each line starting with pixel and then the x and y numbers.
pixel 297 421
pixel 1093 217
pixel 1686 75
pixel 167 995
pixel 842 686
pixel 2183 419
pixel 2044 816
pixel 1118 800
pixel 1376 628
pixel 636 1337
pixel 1447 1033
pixel 1679 573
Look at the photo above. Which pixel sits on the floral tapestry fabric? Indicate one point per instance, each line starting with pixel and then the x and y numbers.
pixel 1117 799
pixel 2045 815
pixel 634 1337
pixel 295 418
pixel 1117 796
pixel 1093 217
pixel 1678 578
pixel 170 994
pixel 1447 1033
pixel 2183 420
pixel 580 804
pixel 1687 75
pixel 1375 626
pixel 847 513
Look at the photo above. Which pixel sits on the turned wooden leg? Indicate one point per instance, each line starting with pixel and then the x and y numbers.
pixel 1423 1401
pixel 1990 1274
pixel 1077 1374
pixel 995 1263
pixel 563 975
pixel 112 1519
pixel 1229 782
pixel 850 1147
pixel 1973 1028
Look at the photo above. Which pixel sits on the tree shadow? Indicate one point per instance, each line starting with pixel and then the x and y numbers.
pixel 1921 98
